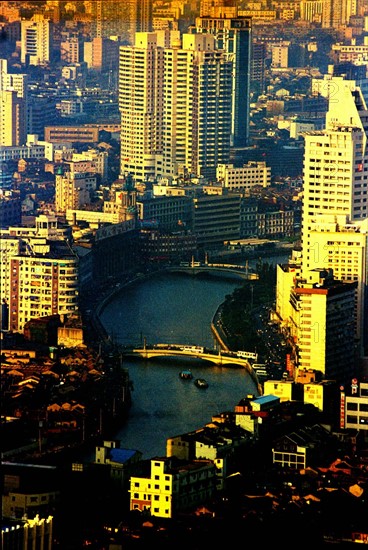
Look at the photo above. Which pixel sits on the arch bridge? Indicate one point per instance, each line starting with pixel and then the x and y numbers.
pixel 195 268
pixel 219 358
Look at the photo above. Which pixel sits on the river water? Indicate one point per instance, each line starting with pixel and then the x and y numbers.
pixel 177 309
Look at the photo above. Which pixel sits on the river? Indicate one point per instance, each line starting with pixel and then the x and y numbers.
pixel 172 308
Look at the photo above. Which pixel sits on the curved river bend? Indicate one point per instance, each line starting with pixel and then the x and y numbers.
pixel 172 308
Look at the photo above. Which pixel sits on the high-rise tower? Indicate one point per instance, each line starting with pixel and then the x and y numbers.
pixel 175 104
pixel 123 19
pixel 334 222
pixel 335 209
pixel 234 35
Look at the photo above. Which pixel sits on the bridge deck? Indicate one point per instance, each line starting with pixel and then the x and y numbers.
pixel 212 356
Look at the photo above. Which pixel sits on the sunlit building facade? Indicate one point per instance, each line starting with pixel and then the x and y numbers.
pixel 175 104
pixel 334 231
pixel 234 35
pixel 39 274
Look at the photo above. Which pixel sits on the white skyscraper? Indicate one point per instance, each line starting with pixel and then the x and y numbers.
pixel 335 207
pixel 334 223
pixel 175 104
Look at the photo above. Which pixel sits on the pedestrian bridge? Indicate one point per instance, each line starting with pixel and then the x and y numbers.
pixel 166 350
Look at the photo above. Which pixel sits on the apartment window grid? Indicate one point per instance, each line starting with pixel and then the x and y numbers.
pixel 293 460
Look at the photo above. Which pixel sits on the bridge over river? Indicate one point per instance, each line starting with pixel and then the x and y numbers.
pixel 195 268
pixel 219 358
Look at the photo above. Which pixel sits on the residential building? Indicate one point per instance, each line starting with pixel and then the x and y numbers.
pixel 183 122
pixel 172 486
pixel 302 448
pixel 36 40
pixel 73 188
pixel 322 325
pixel 12 119
pixel 234 35
pixel 334 235
pixel 10 211
pixel 41 112
pixel 280 55
pixel 12 81
pixel 354 406
pixel 101 54
pixel 216 441
pixel 121 461
pixel 70 48
pixel 39 273
pixel 121 19
pixel 98 160
pixel 258 67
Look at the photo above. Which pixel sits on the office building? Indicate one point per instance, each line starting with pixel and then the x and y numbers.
pixel 175 105
pixel 234 35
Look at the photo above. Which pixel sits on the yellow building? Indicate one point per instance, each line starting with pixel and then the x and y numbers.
pixel 322 325
pixel 173 485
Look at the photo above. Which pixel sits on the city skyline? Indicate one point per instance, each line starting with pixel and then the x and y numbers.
pixel 136 136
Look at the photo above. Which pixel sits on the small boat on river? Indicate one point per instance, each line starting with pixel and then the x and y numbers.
pixel 201 383
pixel 186 374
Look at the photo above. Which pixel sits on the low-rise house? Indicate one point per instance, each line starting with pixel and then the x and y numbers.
pixel 121 461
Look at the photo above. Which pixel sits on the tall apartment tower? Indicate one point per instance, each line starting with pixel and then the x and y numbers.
pixel 336 13
pixel 335 208
pixel 13 106
pixel 36 40
pixel 175 104
pixel 12 119
pixel 38 274
pixel 234 35
pixel 123 19
pixel 334 232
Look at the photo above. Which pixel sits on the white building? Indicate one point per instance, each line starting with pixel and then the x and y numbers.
pixel 334 231
pixel 36 36
pixel 73 190
pixel 245 177
pixel 175 104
